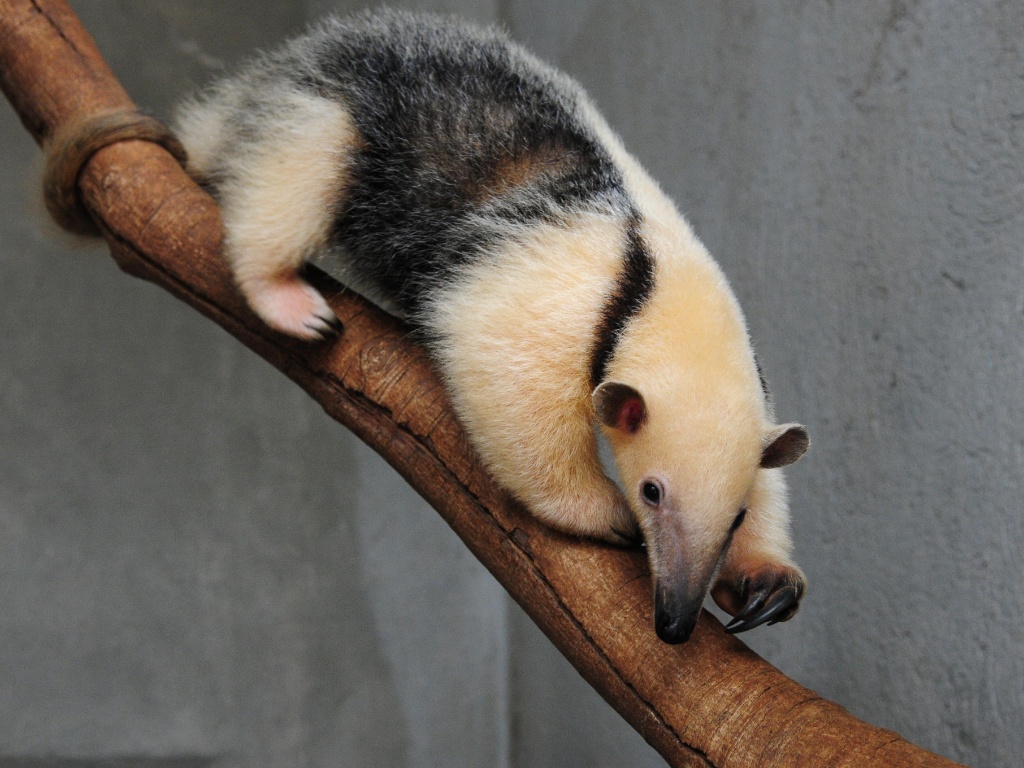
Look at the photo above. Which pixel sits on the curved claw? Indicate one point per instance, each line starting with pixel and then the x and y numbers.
pixel 631 538
pixel 760 609
pixel 322 328
pixel 754 602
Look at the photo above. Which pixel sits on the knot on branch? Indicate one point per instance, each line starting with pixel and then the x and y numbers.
pixel 75 142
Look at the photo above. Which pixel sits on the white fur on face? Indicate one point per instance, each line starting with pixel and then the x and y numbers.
pixel 689 355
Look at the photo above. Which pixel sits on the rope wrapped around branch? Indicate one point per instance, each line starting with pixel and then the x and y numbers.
pixel 710 702
pixel 75 142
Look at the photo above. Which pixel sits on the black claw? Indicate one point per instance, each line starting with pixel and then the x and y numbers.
pixel 786 616
pixel 781 603
pixel 753 604
pixel 324 327
pixel 318 329
pixel 633 538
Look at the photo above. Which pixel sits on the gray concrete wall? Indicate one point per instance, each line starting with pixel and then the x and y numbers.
pixel 197 568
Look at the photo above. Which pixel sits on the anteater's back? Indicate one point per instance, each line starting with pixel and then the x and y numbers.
pixel 456 132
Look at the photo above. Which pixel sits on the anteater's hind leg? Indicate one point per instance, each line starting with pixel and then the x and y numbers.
pixel 279 181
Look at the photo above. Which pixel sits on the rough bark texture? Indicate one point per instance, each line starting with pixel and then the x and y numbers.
pixel 709 702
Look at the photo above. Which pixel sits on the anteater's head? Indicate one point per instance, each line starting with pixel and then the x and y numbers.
pixel 684 410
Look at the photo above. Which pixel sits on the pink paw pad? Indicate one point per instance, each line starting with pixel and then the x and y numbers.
pixel 290 305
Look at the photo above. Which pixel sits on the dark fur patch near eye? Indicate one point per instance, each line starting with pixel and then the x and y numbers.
pixel 633 289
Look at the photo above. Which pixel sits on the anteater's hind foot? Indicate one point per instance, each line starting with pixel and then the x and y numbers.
pixel 277 158
pixel 289 304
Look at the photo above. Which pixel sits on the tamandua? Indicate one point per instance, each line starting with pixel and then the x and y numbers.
pixel 476 191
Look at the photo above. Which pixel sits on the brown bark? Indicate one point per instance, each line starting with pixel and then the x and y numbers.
pixel 711 701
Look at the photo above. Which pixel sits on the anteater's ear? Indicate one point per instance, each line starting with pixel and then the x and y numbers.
pixel 619 406
pixel 783 445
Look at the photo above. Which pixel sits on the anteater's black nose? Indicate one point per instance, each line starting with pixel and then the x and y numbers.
pixel 673 628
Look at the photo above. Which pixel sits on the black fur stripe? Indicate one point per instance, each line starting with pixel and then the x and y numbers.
pixel 761 378
pixel 634 288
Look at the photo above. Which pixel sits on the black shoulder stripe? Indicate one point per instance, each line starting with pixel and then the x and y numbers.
pixel 634 288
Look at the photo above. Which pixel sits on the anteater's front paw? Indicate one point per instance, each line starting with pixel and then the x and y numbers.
pixel 625 534
pixel 770 593
pixel 596 512
pixel 618 525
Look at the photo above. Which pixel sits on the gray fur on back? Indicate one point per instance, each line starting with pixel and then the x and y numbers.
pixel 465 139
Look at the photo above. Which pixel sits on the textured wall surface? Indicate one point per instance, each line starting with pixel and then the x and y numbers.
pixel 196 567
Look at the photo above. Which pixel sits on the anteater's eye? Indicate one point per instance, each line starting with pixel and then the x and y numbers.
pixel 651 492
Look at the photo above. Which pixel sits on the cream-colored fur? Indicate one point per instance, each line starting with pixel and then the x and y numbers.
pixel 687 354
pixel 764 539
pixel 279 201
pixel 518 330
pixel 201 128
